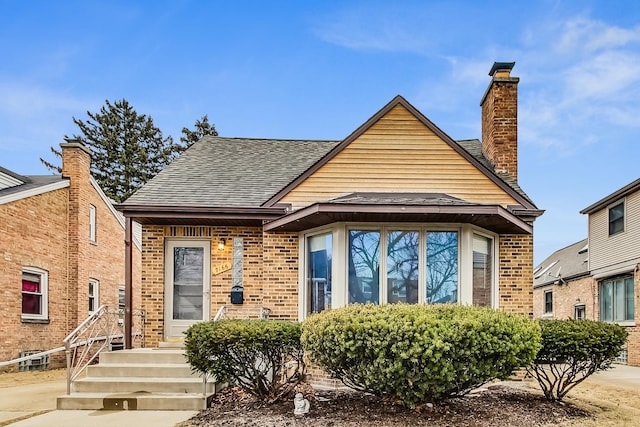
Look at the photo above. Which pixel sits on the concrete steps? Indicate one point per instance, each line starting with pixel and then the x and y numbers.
pixel 139 379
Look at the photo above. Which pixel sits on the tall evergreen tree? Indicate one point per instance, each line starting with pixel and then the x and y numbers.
pixel 202 128
pixel 127 149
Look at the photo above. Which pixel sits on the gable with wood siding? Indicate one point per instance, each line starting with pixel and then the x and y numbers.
pixel 398 152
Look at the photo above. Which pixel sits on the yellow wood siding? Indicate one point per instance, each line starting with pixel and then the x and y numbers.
pixel 398 154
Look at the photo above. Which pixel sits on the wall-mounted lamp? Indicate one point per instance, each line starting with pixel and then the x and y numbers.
pixel 221 244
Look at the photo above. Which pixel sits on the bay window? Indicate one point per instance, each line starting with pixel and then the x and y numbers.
pixel 396 263
pixel 616 299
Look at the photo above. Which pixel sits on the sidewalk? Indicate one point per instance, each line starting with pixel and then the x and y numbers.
pixel 33 405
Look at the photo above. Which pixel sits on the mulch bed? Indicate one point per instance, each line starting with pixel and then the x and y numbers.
pixel 494 405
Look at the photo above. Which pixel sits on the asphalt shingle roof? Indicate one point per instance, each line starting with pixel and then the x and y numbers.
pixel 31 182
pixel 230 172
pixel 565 263
pixel 415 199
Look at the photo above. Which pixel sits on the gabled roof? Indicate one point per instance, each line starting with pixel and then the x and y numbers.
pixel 484 166
pixel 16 187
pixel 230 172
pixel 623 192
pixel 563 265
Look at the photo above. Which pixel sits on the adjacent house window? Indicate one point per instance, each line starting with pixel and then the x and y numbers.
pixel 548 302
pixel 94 294
pixel 616 299
pixel 579 312
pixel 34 293
pixel 92 223
pixel 319 250
pixel 616 219
pixel 121 298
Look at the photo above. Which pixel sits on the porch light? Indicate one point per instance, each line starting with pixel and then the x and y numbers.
pixel 221 244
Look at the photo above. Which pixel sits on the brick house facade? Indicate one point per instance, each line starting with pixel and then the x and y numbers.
pixel 397 211
pixel 61 239
pixel 598 278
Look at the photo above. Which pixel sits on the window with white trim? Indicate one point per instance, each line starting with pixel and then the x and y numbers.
pixel 92 223
pixel 548 302
pixel 579 312
pixel 390 263
pixel 34 293
pixel 616 299
pixel 94 295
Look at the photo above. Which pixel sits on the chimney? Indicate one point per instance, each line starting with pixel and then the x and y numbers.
pixel 500 119
pixel 76 166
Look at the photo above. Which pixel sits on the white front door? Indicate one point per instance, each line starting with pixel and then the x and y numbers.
pixel 187 285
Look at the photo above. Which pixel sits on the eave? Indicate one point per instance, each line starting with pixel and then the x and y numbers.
pixel 200 215
pixel 490 217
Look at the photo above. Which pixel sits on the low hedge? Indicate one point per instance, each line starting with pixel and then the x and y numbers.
pixel 572 350
pixel 263 357
pixel 419 353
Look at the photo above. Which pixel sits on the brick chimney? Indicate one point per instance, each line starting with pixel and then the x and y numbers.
pixel 76 166
pixel 500 119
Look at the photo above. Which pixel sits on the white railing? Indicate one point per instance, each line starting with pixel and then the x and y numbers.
pixel 97 333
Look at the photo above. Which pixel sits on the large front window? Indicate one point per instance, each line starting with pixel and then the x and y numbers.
pixel 616 299
pixel 397 263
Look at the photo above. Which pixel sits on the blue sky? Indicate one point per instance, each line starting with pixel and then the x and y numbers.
pixel 317 70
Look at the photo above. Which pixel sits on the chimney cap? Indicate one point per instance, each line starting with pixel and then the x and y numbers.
pixel 498 66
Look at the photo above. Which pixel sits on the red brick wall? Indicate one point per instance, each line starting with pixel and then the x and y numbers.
pixel 33 233
pixel 50 231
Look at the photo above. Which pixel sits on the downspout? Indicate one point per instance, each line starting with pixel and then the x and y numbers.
pixel 128 279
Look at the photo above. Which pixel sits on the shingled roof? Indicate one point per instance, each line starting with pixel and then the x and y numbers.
pixel 230 172
pixel 563 265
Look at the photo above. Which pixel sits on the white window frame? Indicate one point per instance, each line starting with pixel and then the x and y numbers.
pixel 627 321
pixel 44 292
pixel 92 223
pixel 339 266
pixel 580 307
pixel 95 296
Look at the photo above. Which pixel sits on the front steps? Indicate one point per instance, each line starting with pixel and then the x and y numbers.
pixel 139 379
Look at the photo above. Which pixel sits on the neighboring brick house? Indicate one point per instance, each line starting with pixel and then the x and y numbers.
pixel 609 285
pixel 397 211
pixel 562 286
pixel 61 255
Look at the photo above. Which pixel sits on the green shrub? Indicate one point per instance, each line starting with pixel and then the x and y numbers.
pixel 263 357
pixel 571 351
pixel 419 353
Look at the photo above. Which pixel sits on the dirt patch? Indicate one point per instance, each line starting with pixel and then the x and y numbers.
pixel 12 379
pixel 494 405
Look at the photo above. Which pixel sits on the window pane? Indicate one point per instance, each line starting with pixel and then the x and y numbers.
pixel 31 304
pixel 619 301
pixel 319 272
pixel 616 219
pixel 364 266
pixel 606 301
pixel 442 266
pixel 482 270
pixel 30 285
pixel 188 272
pixel 629 296
pixel 402 266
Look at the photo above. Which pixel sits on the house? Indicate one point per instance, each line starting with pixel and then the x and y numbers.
pixel 597 278
pixel 61 257
pixel 563 287
pixel 395 212
pixel 614 260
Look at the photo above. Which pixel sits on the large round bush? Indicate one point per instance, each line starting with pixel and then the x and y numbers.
pixel 419 353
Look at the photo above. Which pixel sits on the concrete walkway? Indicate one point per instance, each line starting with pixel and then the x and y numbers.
pixel 34 405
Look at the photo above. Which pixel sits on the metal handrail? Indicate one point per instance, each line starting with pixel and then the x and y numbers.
pixel 95 334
